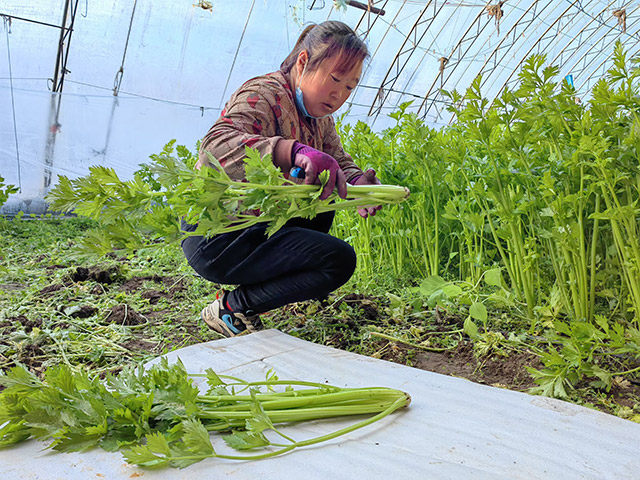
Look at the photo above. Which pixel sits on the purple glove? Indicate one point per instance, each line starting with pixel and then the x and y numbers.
pixel 313 162
pixel 368 178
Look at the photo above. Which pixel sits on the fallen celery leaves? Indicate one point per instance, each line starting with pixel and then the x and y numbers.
pixel 159 418
pixel 146 210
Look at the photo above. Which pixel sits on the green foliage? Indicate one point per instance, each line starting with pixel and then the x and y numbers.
pixel 146 211
pixel 41 329
pixel 538 187
pixel 56 308
pixel 439 292
pixel 158 418
pixel 582 346
pixel 5 191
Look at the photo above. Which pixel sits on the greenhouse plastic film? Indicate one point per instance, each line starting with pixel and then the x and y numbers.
pixel 140 73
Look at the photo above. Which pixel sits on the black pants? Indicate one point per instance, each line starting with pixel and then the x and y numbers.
pixel 299 262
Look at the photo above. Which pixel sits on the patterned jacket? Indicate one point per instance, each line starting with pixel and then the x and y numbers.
pixel 261 113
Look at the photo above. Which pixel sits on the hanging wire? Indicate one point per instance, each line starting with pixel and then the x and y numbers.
pixel 286 23
pixel 137 95
pixel 118 80
pixel 7 27
pixel 244 30
pixel 10 17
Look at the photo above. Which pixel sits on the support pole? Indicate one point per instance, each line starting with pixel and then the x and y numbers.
pixel 64 44
pixel 59 72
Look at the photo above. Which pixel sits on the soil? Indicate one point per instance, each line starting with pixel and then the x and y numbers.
pixel 31 355
pixel 507 371
pixel 125 315
pixel 172 285
pixel 138 345
pixel 99 275
pixel 51 288
pixel 136 283
pixel 345 331
pixel 367 305
pixel 85 311
pixel 153 296
pixel 82 274
pixel 27 324
pixel 498 371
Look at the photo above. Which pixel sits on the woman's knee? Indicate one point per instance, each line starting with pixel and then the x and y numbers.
pixel 344 264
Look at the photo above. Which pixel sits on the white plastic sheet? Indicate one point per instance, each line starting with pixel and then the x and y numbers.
pixel 454 429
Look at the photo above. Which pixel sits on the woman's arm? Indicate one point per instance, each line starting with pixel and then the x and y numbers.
pixel 249 120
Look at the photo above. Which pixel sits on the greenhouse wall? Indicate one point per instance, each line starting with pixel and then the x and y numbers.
pixel 175 70
pixel 119 132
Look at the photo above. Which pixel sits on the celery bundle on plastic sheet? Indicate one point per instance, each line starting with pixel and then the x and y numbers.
pixel 158 417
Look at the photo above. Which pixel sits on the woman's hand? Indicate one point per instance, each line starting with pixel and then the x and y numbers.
pixel 313 162
pixel 368 178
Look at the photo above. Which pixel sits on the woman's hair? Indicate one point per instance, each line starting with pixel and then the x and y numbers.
pixel 326 40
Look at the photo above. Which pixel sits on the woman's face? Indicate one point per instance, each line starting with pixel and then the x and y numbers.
pixel 325 90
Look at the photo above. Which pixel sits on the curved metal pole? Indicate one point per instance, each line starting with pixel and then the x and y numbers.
pixel 119 74
pixel 56 93
pixel 494 54
pixel 367 15
pixel 526 55
pixel 426 51
pixel 244 30
pixel 401 50
pixel 366 7
pixel 577 42
pixel 617 34
pixel 592 50
pixel 458 45
pixel 572 41
pixel 7 27
pixel 587 85
pixel 533 10
pixel 368 67
pixel 57 86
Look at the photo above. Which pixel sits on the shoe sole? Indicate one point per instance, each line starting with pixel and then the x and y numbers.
pixel 215 323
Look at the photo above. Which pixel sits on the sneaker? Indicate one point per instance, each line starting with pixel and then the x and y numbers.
pixel 227 322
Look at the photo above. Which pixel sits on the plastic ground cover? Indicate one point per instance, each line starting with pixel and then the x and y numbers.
pixel 454 429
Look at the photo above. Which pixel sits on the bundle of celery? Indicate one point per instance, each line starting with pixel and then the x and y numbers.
pixel 147 209
pixel 158 417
